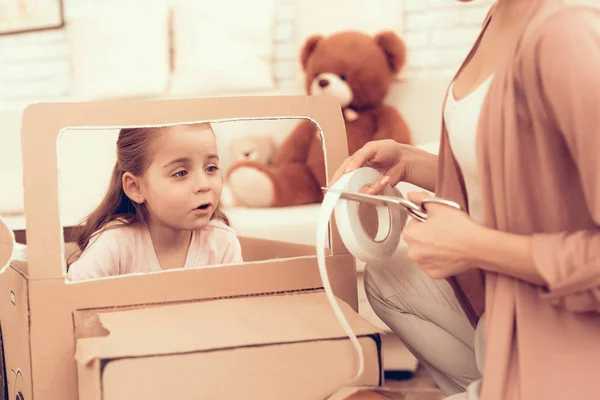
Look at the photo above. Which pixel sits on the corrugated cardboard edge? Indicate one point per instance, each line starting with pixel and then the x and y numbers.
pixel 312 320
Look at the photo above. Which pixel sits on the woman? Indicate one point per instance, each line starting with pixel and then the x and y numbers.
pixel 519 152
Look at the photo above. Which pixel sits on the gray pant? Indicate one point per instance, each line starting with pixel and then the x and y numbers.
pixel 429 320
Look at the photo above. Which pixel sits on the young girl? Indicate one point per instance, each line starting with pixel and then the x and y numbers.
pixel 161 210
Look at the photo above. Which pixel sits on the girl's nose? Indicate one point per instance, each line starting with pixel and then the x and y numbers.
pixel 202 183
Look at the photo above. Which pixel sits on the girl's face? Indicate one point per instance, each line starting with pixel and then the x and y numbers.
pixel 182 186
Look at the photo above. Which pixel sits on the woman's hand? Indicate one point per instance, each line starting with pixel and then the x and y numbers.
pixel 397 162
pixel 385 156
pixel 449 242
pixel 442 245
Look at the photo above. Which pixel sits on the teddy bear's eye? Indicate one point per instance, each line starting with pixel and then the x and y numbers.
pixel 343 77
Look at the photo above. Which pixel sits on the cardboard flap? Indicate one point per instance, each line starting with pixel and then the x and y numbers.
pixel 219 324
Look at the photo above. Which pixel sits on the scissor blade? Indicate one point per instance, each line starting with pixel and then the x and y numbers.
pixel 378 200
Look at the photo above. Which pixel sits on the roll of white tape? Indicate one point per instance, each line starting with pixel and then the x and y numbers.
pixel 356 240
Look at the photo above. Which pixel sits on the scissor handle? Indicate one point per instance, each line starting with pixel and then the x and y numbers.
pixel 439 200
pixel 420 214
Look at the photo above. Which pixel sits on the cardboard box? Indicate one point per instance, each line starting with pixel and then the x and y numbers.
pixel 283 346
pixel 40 319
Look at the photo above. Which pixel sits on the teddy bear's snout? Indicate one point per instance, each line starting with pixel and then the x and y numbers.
pixel 323 83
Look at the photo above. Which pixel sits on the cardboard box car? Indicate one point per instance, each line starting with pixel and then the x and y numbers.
pixel 45 317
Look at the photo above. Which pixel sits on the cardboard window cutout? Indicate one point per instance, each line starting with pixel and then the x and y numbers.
pixel 86 162
pixel 86 159
pixel 42 124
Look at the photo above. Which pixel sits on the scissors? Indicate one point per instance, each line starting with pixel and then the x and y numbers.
pixel 417 212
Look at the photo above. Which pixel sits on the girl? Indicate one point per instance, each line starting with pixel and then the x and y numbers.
pixel 505 300
pixel 161 210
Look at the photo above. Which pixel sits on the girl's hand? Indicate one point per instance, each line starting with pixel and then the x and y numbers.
pixel 442 245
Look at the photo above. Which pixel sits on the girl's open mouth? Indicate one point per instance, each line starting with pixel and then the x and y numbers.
pixel 205 206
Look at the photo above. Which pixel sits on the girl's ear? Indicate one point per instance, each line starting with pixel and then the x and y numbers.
pixel 132 188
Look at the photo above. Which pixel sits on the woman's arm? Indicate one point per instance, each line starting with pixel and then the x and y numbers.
pixel 505 253
pixel 421 167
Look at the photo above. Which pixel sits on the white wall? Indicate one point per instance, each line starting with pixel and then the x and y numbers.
pixel 439 33
pixel 38 66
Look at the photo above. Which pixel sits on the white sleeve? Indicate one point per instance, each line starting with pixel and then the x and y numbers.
pixel 232 250
pixel 100 258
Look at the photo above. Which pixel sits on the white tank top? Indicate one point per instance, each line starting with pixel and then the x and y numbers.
pixel 461 118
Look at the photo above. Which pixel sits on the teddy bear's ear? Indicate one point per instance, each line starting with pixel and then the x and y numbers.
pixel 308 48
pixel 394 49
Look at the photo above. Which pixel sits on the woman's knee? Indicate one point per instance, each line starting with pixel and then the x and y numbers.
pixel 398 293
pixel 372 283
pixel 394 284
pixel 401 281
pixel 385 310
pixel 376 284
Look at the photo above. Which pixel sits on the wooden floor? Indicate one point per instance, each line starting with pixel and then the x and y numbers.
pixel 420 387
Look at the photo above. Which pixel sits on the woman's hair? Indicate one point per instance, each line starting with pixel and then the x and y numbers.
pixel 132 156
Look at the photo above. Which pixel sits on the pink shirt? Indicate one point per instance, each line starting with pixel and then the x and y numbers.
pixel 128 249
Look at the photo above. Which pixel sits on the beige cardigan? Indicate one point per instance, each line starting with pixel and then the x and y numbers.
pixel 538 153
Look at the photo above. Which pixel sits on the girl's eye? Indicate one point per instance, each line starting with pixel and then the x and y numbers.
pixel 212 168
pixel 180 174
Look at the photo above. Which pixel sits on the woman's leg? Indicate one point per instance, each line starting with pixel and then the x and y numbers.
pixel 474 389
pixel 427 317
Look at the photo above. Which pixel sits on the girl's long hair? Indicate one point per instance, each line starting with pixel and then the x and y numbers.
pixel 132 156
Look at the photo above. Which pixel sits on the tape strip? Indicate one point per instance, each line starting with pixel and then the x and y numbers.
pixel 356 240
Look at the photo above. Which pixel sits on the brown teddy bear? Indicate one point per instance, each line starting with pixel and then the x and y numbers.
pixel 357 70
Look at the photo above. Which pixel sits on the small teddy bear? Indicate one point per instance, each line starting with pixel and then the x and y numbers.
pixel 259 148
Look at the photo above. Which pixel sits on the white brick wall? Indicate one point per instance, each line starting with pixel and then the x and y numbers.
pixel 36 66
pixel 439 33
pixel 285 53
